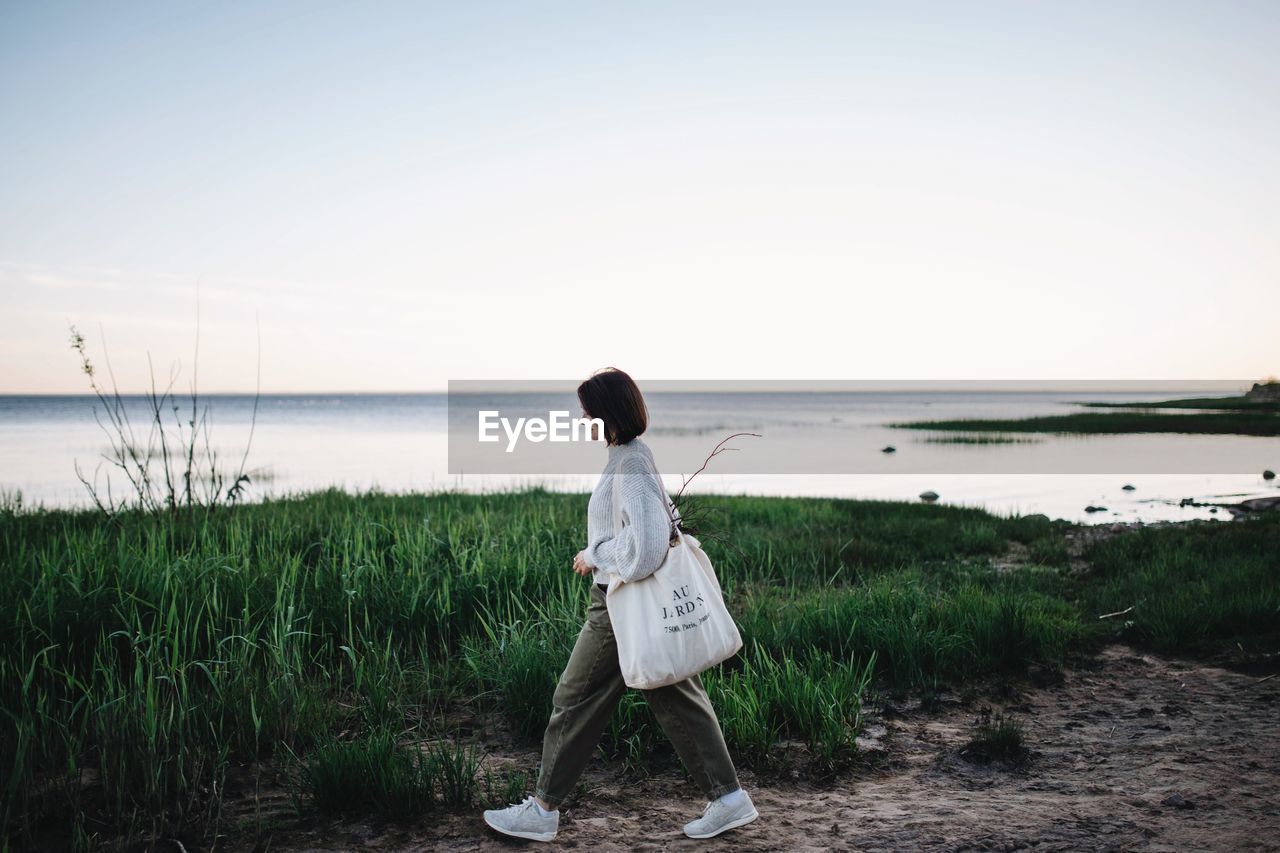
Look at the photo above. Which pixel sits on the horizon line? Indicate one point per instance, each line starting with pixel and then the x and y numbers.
pixel 762 386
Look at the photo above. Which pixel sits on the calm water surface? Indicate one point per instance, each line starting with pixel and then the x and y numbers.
pixel 398 442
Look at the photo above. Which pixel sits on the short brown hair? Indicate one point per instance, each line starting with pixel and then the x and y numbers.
pixel 613 397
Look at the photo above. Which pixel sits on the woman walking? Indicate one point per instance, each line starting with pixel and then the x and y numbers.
pixel 592 682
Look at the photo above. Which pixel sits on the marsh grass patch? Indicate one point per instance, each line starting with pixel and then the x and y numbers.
pixel 997 738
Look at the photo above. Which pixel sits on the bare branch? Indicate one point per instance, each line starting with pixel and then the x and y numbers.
pixel 184 456
pixel 720 448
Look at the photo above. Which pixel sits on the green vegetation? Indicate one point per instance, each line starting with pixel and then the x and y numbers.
pixel 352 640
pixel 1199 589
pixel 377 774
pixel 1225 403
pixel 998 738
pixel 1102 423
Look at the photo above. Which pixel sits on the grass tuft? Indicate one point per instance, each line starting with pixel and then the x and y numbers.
pixel 997 738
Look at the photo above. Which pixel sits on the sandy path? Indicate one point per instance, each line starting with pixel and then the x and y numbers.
pixel 1110 745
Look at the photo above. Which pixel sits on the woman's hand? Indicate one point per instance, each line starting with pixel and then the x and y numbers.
pixel 580 564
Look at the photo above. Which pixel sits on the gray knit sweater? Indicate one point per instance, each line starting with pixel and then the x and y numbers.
pixel 641 545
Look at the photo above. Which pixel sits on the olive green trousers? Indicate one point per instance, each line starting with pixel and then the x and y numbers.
pixel 588 693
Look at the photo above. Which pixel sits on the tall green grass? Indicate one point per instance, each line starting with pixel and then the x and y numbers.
pixel 144 657
pixel 810 697
pixel 925 628
pixel 1193 590
pixel 378 774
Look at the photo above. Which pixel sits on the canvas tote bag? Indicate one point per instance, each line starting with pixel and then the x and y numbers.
pixel 672 624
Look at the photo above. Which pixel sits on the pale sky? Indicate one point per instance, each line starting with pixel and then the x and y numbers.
pixel 403 194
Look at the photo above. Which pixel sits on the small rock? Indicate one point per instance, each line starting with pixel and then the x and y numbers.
pixel 1177 801
pixel 929 497
pixel 1213 511
pixel 1092 508
pixel 1256 505
pixel 889 449
pixel 1128 487
pixel 1268 474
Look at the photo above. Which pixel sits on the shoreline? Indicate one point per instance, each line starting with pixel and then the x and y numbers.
pixel 1262 499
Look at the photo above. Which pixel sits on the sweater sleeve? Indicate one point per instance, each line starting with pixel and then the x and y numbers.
pixel 640 547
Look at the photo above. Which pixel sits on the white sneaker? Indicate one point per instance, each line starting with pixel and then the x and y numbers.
pixel 718 817
pixel 524 820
